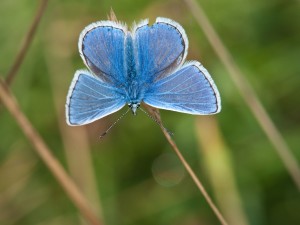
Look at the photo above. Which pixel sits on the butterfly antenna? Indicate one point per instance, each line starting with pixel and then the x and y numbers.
pixel 111 126
pixel 156 121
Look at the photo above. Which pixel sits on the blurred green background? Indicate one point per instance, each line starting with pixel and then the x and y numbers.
pixel 132 175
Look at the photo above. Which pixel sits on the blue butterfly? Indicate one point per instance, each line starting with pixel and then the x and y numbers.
pixel 144 64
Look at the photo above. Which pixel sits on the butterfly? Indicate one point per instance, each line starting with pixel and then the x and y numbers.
pixel 144 64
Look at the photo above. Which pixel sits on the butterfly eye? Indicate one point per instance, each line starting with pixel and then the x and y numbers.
pixel 134 107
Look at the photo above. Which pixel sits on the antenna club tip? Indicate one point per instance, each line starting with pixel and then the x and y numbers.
pixel 102 135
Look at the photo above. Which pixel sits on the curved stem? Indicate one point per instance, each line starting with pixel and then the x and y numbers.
pixel 25 46
pixel 45 153
pixel 155 113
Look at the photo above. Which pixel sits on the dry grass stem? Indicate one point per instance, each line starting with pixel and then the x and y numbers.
pixel 25 46
pixel 247 92
pixel 112 16
pixel 155 113
pixel 44 152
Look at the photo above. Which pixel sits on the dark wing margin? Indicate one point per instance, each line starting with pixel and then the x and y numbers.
pixel 101 46
pixel 188 90
pixel 90 99
pixel 160 49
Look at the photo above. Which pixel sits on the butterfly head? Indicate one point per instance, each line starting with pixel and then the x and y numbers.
pixel 134 107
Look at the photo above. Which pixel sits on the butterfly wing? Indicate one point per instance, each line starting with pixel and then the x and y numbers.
pixel 101 46
pixel 159 48
pixel 90 99
pixel 189 90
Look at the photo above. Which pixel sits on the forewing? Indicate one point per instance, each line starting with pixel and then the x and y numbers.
pixel 159 49
pixel 90 99
pixel 101 46
pixel 188 90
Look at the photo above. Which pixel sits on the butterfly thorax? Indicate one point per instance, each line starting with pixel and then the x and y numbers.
pixel 134 92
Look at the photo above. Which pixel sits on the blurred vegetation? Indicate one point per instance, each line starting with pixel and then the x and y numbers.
pixel 134 176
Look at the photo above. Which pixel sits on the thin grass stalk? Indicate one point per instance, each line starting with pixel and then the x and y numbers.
pixel 45 153
pixel 247 92
pixel 26 43
pixel 155 113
